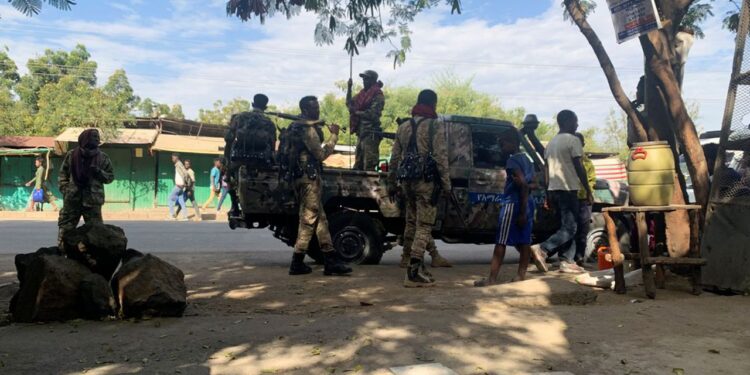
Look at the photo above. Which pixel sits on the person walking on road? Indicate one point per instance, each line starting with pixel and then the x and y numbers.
pixel 214 183
pixel 189 193
pixel 40 182
pixel 565 175
pixel 177 196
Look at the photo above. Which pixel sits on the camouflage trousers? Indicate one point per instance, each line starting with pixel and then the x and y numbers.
pixel 312 216
pixel 367 154
pixel 71 214
pixel 420 217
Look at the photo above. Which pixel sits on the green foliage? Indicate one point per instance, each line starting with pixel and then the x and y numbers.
pixel 60 91
pixel 118 87
pixel 51 67
pixel 456 96
pixel 8 70
pixel 73 103
pixel 33 7
pixel 149 108
pixel 696 14
pixel 360 22
pixel 222 113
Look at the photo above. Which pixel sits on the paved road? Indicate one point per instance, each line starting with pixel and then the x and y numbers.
pixel 206 237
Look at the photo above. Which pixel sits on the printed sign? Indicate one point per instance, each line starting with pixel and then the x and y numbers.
pixel 633 18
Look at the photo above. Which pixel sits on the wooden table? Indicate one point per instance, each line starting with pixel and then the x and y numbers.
pixel 651 282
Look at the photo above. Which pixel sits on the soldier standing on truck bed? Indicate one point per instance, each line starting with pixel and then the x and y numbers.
pixel 419 162
pixel 307 157
pixel 250 141
pixel 365 110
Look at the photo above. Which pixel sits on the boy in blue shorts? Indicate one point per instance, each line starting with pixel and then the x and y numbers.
pixel 516 213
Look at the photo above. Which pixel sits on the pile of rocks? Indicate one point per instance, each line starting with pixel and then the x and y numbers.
pixel 95 276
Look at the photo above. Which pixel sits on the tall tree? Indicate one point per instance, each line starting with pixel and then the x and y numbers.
pixel 222 113
pixel 118 87
pixel 149 108
pixel 8 70
pixel 51 68
pixel 73 103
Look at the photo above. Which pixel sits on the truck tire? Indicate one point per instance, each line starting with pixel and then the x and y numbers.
pixel 357 237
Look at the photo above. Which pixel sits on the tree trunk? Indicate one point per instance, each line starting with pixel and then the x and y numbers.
pixel 576 13
pixel 657 53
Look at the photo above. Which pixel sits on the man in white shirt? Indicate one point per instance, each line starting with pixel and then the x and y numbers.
pixel 177 196
pixel 565 175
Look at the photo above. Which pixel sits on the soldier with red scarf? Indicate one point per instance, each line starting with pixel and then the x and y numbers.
pixel 83 174
pixel 365 110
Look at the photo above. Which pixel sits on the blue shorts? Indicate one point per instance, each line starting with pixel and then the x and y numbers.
pixel 509 233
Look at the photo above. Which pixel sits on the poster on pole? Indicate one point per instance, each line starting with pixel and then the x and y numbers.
pixel 633 18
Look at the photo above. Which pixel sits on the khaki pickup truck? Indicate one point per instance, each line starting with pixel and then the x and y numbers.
pixel 364 222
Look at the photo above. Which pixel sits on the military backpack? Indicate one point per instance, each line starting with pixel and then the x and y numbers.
pixel 414 167
pixel 255 136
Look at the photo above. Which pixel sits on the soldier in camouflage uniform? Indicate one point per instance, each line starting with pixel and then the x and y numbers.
pixel 250 141
pixel 365 110
pixel 309 157
pixel 437 259
pixel 83 174
pixel 419 162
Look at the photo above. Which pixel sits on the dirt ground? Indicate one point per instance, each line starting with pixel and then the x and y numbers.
pixel 249 319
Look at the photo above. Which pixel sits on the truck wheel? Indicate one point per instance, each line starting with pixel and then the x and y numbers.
pixel 357 237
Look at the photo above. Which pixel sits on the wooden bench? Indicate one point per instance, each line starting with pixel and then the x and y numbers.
pixel 651 281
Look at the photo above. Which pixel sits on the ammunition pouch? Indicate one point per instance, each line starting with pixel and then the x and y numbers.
pixel 430 170
pixel 312 170
pixel 411 168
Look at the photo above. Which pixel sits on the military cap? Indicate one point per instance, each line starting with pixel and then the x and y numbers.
pixel 530 119
pixel 369 73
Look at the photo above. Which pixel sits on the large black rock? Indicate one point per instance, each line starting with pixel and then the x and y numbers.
pixel 49 290
pixel 96 298
pixel 24 260
pixel 149 286
pixel 99 247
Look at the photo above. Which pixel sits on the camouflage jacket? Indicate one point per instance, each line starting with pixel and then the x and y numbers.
pixel 92 195
pixel 250 133
pixel 310 139
pixel 369 119
pixel 439 147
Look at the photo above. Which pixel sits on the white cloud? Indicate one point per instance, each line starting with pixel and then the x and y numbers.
pixel 543 63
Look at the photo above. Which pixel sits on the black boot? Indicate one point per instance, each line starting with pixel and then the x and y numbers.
pixel 298 266
pixel 234 212
pixel 415 275
pixel 332 265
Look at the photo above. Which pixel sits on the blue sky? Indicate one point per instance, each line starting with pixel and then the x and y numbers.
pixel 521 51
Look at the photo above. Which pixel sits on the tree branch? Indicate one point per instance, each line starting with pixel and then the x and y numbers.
pixel 577 15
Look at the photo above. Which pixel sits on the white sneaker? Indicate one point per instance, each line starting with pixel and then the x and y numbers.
pixel 569 267
pixel 540 258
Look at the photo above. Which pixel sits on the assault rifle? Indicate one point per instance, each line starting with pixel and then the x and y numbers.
pixel 303 120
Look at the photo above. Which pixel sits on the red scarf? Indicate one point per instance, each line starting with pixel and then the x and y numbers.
pixel 423 110
pixel 361 101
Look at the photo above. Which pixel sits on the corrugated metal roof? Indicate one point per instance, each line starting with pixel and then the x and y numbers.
pixel 17 141
pixel 123 137
pixel 189 144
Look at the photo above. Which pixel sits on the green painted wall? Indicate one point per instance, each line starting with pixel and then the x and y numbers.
pixel 133 187
pixel 15 171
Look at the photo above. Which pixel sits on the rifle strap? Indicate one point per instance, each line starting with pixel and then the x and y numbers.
pixel 412 147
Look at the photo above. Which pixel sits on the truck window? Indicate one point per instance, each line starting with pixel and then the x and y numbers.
pixel 486 148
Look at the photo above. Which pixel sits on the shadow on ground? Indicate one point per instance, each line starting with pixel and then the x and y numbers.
pixel 249 319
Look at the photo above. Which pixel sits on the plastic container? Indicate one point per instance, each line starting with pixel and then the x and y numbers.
pixel 604 258
pixel 651 174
